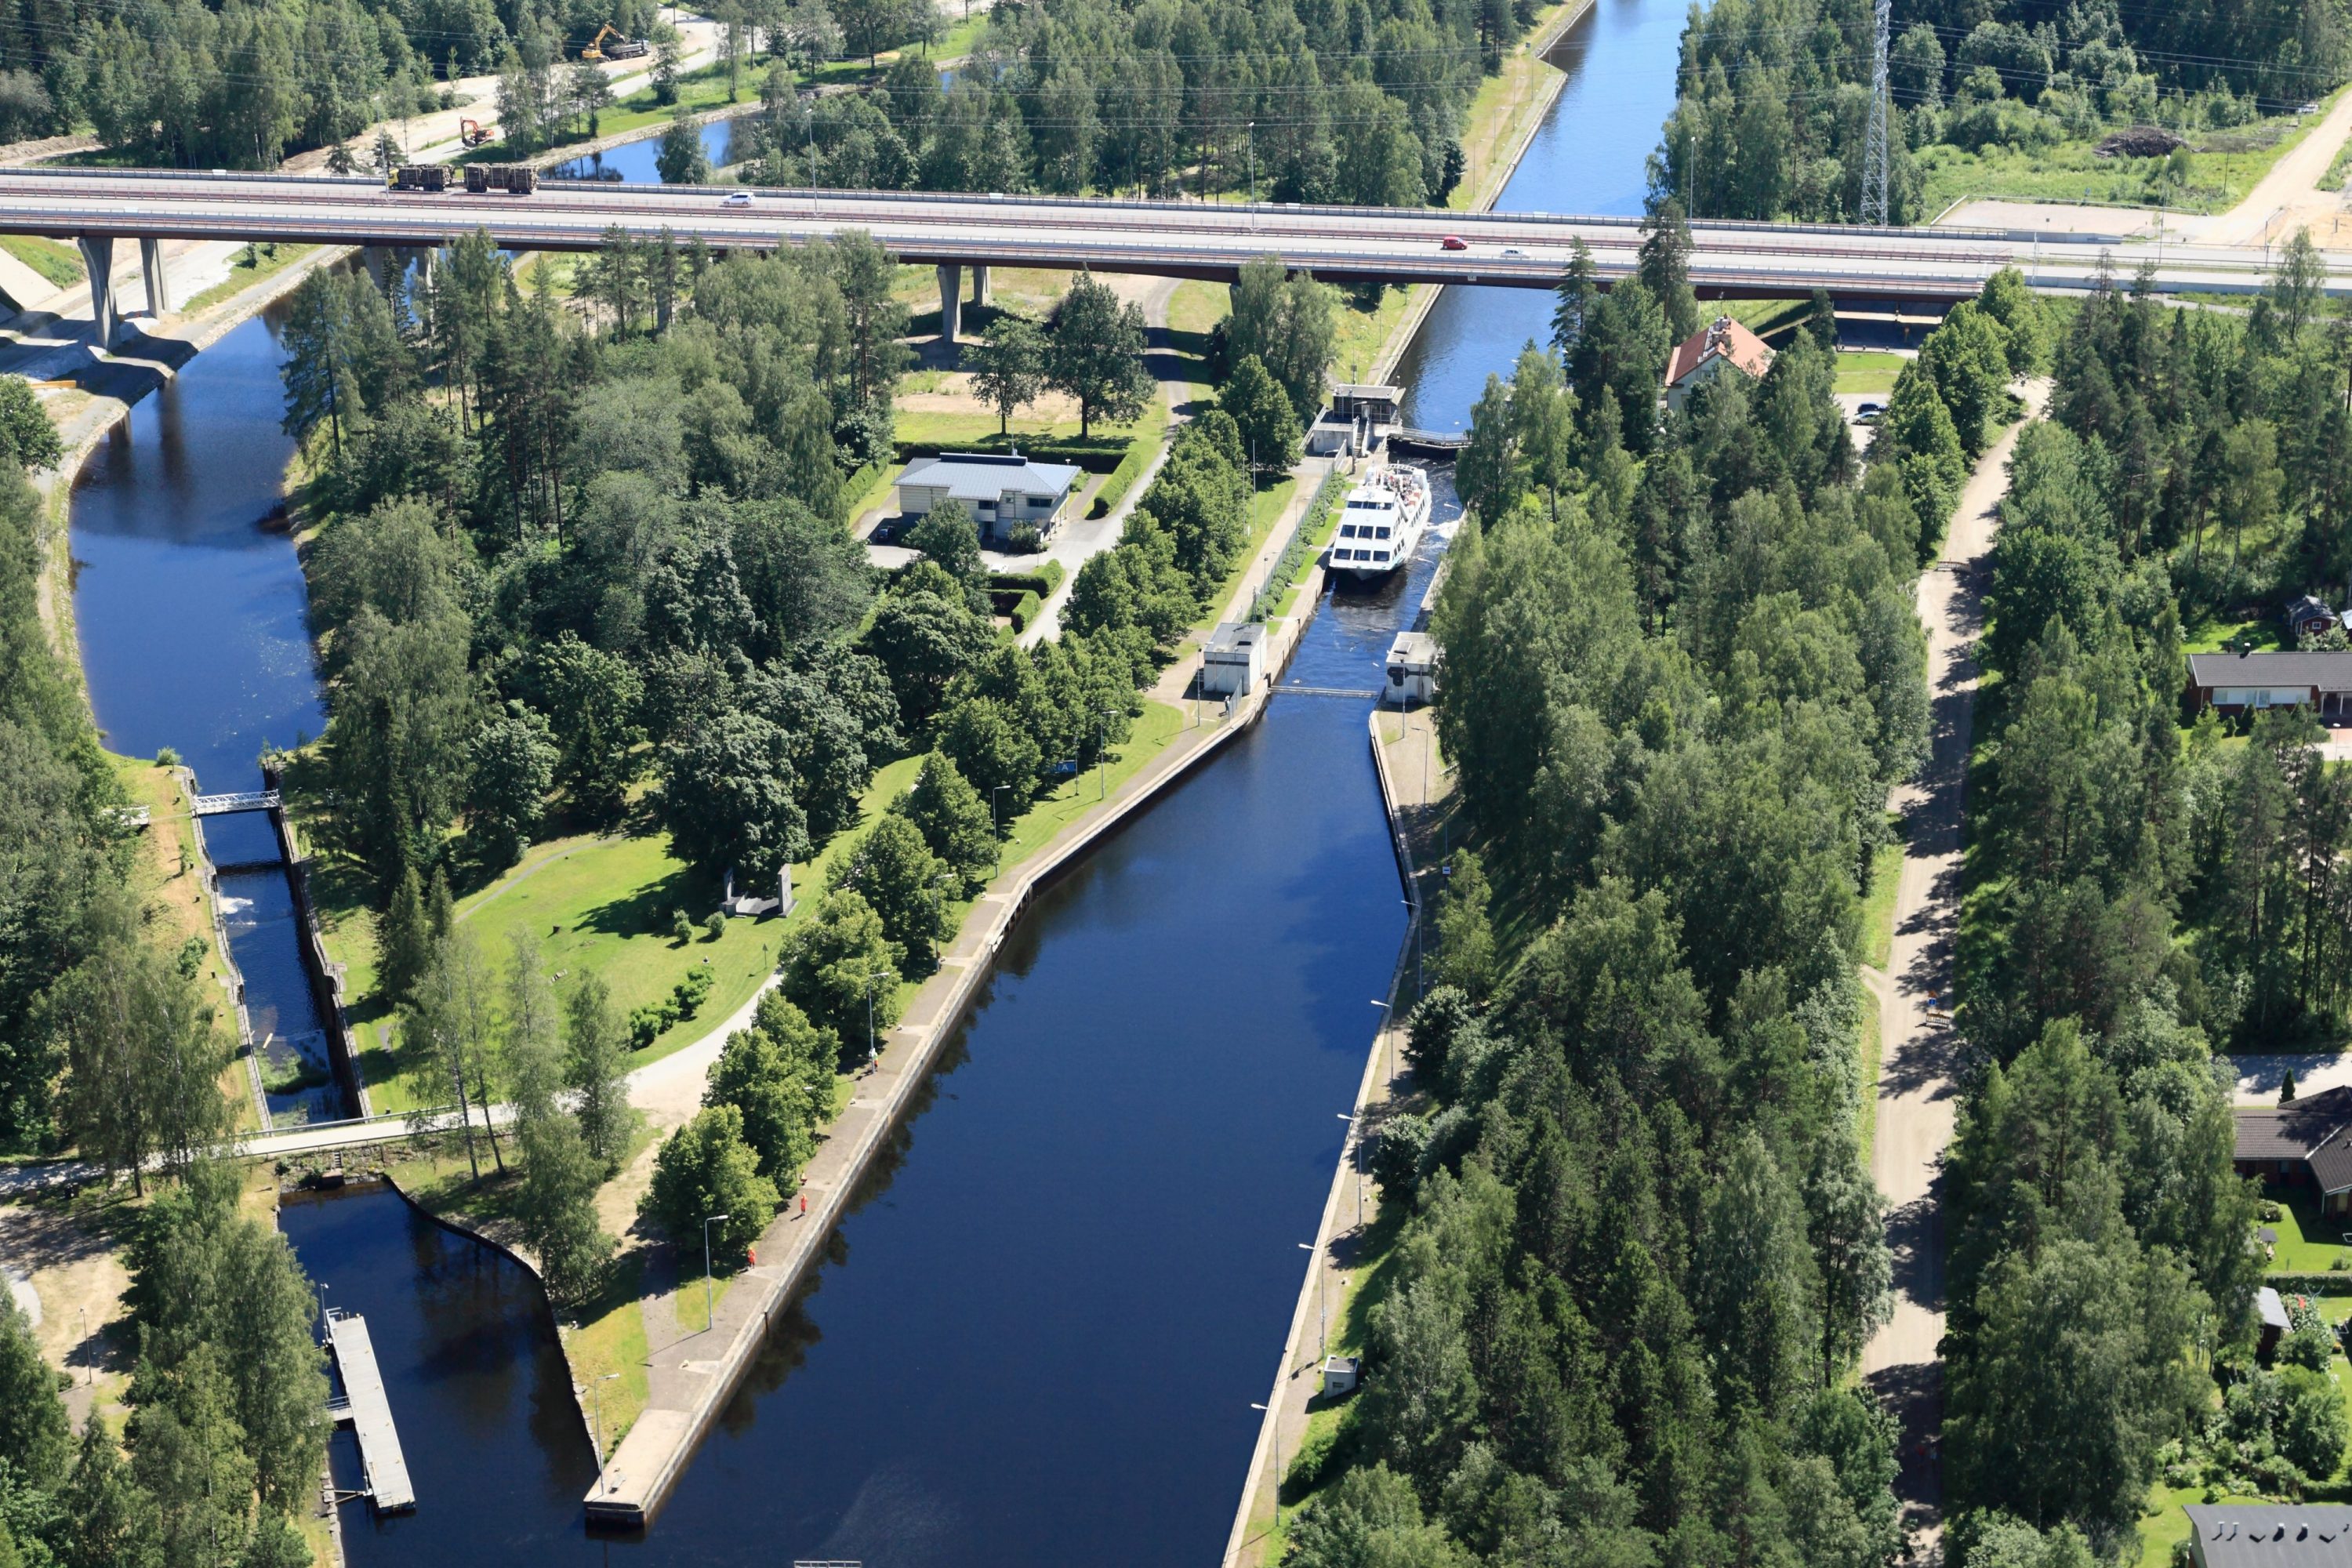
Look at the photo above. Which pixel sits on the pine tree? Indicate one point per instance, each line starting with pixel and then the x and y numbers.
pixel 595 1067
pixel 403 941
pixel 110 1520
pixel 33 1440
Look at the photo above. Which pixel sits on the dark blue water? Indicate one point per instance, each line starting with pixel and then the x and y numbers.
pixel 190 617
pixel 1586 157
pixel 1038 1337
pixel 634 161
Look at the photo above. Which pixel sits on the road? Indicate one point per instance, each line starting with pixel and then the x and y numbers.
pixel 1209 241
pixel 1917 1049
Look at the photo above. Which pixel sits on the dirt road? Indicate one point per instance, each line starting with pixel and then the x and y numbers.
pixel 1916 1047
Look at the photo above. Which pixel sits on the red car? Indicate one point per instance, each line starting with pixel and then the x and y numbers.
pixel 1453 242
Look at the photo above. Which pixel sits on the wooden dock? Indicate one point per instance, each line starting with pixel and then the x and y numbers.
pixel 368 1412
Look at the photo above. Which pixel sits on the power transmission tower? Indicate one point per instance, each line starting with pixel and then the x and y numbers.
pixel 1876 155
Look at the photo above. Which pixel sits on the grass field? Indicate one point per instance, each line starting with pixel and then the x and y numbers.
pixel 602 903
pixel 1868 371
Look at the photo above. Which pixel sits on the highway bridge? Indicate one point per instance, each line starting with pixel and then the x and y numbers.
pixel 1211 241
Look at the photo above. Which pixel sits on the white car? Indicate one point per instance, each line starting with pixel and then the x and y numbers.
pixel 738 198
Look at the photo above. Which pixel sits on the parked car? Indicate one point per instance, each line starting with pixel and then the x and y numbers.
pixel 1868 412
pixel 1453 242
pixel 738 198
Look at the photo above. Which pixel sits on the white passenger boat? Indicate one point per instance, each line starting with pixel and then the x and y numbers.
pixel 1381 525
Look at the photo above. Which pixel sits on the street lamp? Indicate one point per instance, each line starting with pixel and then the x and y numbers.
pixel 995 834
pixel 872 1054
pixel 1322 1307
pixel 1277 1461
pixel 1412 913
pixel 1384 1029
pixel 596 1392
pixel 1357 1161
pixel 707 1220
pixel 1102 787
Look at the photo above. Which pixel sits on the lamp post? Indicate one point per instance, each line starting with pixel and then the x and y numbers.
pixel 1389 1017
pixel 1250 126
pixel 872 1054
pixel 1412 913
pixel 596 1392
pixel 1322 1307
pixel 1359 1163
pixel 994 832
pixel 1278 1460
pixel 706 1222
pixel 1102 785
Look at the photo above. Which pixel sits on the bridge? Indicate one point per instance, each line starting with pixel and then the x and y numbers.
pixel 96 209
pixel 244 800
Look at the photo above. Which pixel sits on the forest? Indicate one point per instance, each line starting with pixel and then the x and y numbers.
pixel 220 1456
pixel 1774 95
pixel 1643 1250
pixel 1322 102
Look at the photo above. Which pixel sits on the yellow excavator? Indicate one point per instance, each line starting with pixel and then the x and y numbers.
pixel 622 48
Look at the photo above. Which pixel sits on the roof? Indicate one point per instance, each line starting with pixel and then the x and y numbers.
pixel 2317 1129
pixel 2309 608
pixel 1234 636
pixel 2272 1535
pixel 2329 671
pixel 1723 337
pixel 984 476
pixel 1373 390
pixel 1413 647
pixel 2271 1310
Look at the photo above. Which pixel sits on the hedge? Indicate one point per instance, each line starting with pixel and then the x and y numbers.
pixel 1020 605
pixel 1140 454
pixel 1096 454
pixel 2336 1282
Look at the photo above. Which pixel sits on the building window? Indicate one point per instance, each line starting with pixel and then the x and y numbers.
pixel 1383 533
pixel 1346 531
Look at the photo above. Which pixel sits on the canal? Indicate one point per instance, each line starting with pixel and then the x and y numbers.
pixel 637 162
pixel 1038 1335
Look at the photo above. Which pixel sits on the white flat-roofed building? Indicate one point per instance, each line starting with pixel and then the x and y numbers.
pixel 999 491
pixel 1233 661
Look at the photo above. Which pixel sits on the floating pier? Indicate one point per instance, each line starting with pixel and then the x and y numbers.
pixel 363 1409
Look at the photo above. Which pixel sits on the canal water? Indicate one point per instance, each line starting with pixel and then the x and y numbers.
pixel 1038 1336
pixel 191 616
pixel 634 161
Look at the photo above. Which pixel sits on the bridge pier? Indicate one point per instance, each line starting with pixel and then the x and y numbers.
pixel 159 286
pixel 98 260
pixel 980 283
pixel 951 303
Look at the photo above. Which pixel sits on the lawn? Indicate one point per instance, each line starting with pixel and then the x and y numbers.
pixel 2308 1241
pixel 2205 635
pixel 1868 371
pixel 1068 800
pixel 604 903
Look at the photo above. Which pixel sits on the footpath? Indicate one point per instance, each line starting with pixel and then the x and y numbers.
pixel 690 1377
pixel 1919 1049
